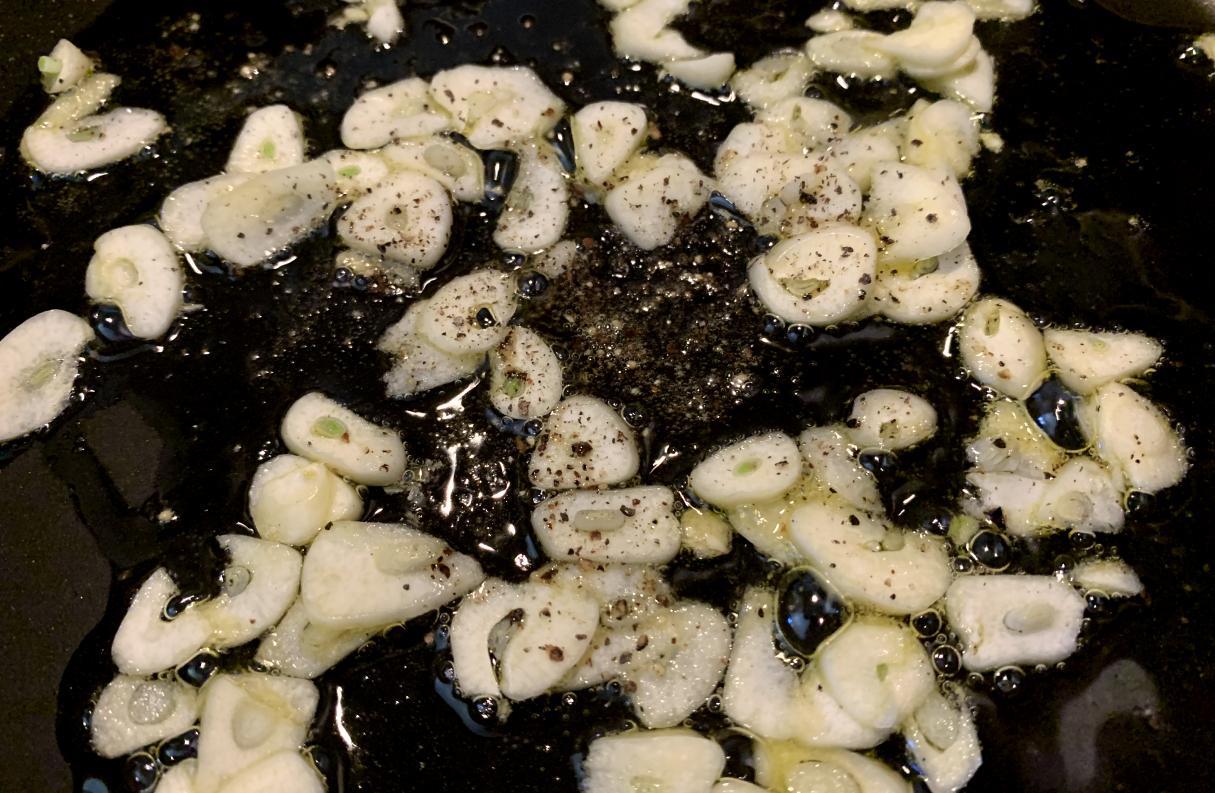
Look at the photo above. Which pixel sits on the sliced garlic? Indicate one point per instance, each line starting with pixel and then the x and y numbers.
pixel 975 85
pixel 269 212
pixel 653 195
pixel 537 207
pixel 707 72
pixel 291 499
pixel 1134 437
pixel 496 105
pixel 136 269
pixel 64 67
pixel 320 429
pixel 606 135
pixel 260 582
pixel 829 20
pixel 852 52
pixel 1002 347
pixel 419 365
pixel 705 534
pixel 584 443
pixel 132 712
pixel 469 314
pixel 406 218
pixel 642 32
pixel 525 375
pixel 1083 496
pixel 863 149
pixel 938 34
pixel 891 419
pixel 272 137
pixel 794 768
pixel 286 770
pixel 868 561
pixel 783 74
pixel 814 123
pixel 927 291
pixel 247 718
pixel 1087 360
pixel 403 109
pixel 671 761
pixel 877 670
pixel 182 211
pixel 39 360
pixel 370 575
pixel 145 642
pixel 834 468
pixel 917 213
pixel 452 164
pixel 92 141
pixel 356 173
pixel 1013 619
pixel 756 469
pixel 298 647
pixel 635 524
pixel 819 278
pixel 1110 576
pixel 942 135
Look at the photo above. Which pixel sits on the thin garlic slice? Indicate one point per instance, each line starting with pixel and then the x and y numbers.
pixel 819 278
pixel 39 361
pixel 584 443
pixel 469 314
pixel 537 207
pixel 525 375
pixel 272 137
pixel 634 524
pixel 403 109
pixel 890 419
pixel 494 106
pixel 1002 347
pixel 419 365
pixel 1014 619
pixel 136 269
pixel 755 469
pixel 406 218
pixel 133 711
pixel 320 429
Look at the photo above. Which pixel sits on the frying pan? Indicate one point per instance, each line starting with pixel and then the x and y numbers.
pixel 1096 212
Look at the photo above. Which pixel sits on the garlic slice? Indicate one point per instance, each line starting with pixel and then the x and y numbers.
pixel 269 212
pixel 1134 437
pixel 64 67
pixel 136 269
pixel 756 469
pixel 39 361
pixel 916 213
pixel 403 109
pixel 819 278
pixel 494 106
pixel 406 218
pixel 891 419
pixel 450 163
pixel 419 365
pixel 182 211
pixel 92 141
pixel 877 670
pixel 298 647
pixel 938 34
pixel 356 173
pixel 942 135
pixel 370 575
pixel 1002 347
pixel 1087 360
pixel 285 770
pixel 584 443
pixel 271 138
pixel 1013 619
pixel 1113 577
pixel 260 582
pixel 834 469
pixel 320 429
pixel 537 207
pixel 469 314
pixel 132 712
pixel 654 195
pixel 671 761
pixel 975 85
pixel 291 499
pixel 927 291
pixel 942 739
pixel 634 524
pixel 856 53
pixel 525 375
pixel 145 643
pixel 606 135
pixel 783 74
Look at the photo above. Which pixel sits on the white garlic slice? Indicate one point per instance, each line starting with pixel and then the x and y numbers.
pixel 706 72
pixel 877 670
pixel 450 163
pixel 1084 496
pixel 834 469
pixel 272 137
pixel 916 213
pixel 938 34
pixel 92 141
pixel 290 499
pixel 537 207
pixel 535 631
pixel 653 195
pixel 634 524
pixel 469 314
pixel 496 105
pixel 182 211
pixel 1005 10
pixel 927 291
pixel 813 123
pixel 891 419
pixel 643 32
pixel 64 67
pixel 136 269
pixel 942 135
pixel 406 218
pixel 133 711
pixel 259 583
pixel 820 277
pixel 852 52
pixel 39 360
pixel 755 469
pixel 829 20
pixel 356 173
pixel 1013 619
pixel 606 135
pixel 284 770
pixel 584 443
pixel 247 718
pixel 298 647
pixel 673 761
pixel 419 365
pixel 783 74
pixel 370 575
pixel 870 562
pixel 403 109
pixel 705 534
pixel 1018 498
pixel 1002 347
pixel 863 149
pixel 269 212
pixel 975 85
pixel 1134 437
pixel 1086 360
pixel 942 738
pixel 145 643
pixel 1113 577
pixel 525 375
pixel 320 429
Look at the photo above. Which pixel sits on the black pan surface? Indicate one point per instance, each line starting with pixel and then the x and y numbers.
pixel 1096 213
